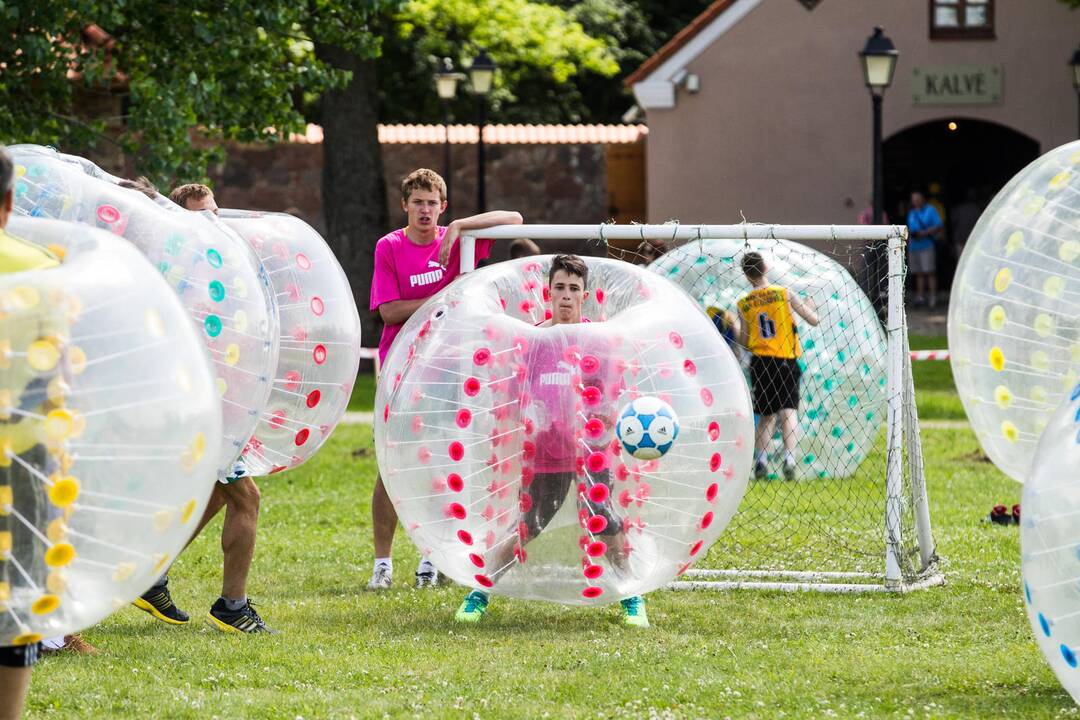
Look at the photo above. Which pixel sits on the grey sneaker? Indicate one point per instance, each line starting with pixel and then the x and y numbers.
pixel 381 578
pixel 789 470
pixel 429 579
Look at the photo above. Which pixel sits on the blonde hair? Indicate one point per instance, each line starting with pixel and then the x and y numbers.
pixel 423 179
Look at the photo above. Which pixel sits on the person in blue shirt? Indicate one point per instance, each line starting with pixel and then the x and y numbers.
pixel 924 225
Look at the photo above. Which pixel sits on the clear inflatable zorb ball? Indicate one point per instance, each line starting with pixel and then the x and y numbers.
pixel 109 432
pixel 217 276
pixel 1050 543
pixel 843 359
pixel 496 437
pixel 1014 339
pixel 320 339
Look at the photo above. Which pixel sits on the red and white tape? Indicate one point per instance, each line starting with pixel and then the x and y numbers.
pixel 920 355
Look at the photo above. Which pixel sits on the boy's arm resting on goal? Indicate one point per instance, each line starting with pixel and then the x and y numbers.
pixel 396 312
pixel 806 310
pixel 475 222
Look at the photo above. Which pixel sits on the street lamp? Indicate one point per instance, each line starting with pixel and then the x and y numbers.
pixel 481 74
pixel 1075 64
pixel 878 63
pixel 446 82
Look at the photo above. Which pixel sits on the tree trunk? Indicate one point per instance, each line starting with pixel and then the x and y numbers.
pixel 353 188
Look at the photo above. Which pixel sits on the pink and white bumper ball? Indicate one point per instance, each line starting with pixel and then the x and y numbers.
pixel 320 339
pixel 497 439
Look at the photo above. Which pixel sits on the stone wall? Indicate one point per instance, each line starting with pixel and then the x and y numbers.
pixel 545 183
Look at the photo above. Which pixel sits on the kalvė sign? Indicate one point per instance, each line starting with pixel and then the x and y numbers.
pixel 956 85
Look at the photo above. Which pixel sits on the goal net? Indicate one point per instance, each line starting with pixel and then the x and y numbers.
pixel 838 501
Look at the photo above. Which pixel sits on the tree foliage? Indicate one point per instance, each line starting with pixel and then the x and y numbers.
pixel 565 67
pixel 188 75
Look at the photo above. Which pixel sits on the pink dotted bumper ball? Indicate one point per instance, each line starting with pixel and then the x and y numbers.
pixel 320 339
pixel 497 437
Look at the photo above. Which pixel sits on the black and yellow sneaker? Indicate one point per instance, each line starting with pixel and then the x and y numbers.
pixel 158 602
pixel 244 620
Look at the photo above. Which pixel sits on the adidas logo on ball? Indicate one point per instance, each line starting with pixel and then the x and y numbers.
pixel 647 428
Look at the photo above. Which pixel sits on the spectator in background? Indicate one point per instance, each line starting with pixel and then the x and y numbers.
pixel 964 216
pixel 523 247
pixel 924 226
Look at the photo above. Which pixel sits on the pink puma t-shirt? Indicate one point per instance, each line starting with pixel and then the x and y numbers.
pixel 407 271
pixel 554 362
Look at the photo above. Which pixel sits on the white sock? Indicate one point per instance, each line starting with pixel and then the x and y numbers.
pixel 425 566
pixel 388 562
pixel 763 458
pixel 789 458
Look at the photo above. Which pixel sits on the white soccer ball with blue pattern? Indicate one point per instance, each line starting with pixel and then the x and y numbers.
pixel 647 428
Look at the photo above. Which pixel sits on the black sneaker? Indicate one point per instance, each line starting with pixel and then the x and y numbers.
pixel 789 470
pixel 429 579
pixel 244 620
pixel 158 602
pixel 760 471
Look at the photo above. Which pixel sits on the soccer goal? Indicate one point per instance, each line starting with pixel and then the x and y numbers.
pixel 842 506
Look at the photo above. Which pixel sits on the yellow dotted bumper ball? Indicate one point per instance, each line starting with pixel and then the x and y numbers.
pixel 1013 334
pixel 106 461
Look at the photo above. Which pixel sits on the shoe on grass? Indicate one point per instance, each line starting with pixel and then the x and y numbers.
pixel 427 579
pixel 74 644
pixel 158 602
pixel 472 608
pixel 244 620
pixel 381 578
pixel 634 613
pixel 760 470
pixel 789 470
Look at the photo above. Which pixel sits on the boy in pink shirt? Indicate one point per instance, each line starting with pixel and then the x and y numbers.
pixel 411 265
pixel 553 362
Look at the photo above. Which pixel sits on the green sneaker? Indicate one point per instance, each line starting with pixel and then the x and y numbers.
pixel 472 607
pixel 634 612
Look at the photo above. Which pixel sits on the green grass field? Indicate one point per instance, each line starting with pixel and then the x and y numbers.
pixel 963 650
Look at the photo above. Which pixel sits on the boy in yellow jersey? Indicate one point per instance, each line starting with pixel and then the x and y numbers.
pixel 768 331
pixel 15 256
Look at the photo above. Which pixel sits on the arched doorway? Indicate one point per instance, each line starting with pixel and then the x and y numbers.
pixel 955 160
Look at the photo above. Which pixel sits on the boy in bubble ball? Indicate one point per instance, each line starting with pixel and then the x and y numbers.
pixel 554 469
pixel 411 265
pixel 767 329
pixel 237 493
pixel 16 660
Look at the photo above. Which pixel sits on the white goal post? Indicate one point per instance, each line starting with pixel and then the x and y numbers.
pixel 907 558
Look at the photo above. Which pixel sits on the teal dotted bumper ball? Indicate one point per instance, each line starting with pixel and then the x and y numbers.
pixel 843 361
pixel 1050 542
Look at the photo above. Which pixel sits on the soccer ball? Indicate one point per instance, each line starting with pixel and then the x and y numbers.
pixel 647 428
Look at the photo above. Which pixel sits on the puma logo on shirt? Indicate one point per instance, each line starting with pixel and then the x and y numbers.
pixel 558 378
pixel 429 277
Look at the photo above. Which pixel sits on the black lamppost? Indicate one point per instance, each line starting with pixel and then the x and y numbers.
pixel 481 73
pixel 1075 64
pixel 446 82
pixel 878 63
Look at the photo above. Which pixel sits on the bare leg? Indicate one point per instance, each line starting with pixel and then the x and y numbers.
pixel 763 434
pixel 14 682
pixel 383 520
pixel 789 422
pixel 213 507
pixel 932 280
pixel 920 285
pixel 238 535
